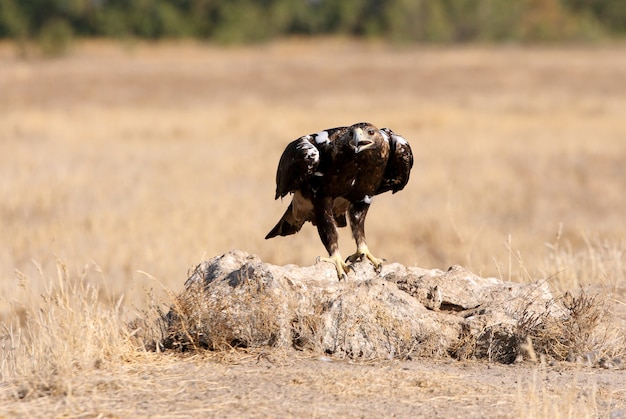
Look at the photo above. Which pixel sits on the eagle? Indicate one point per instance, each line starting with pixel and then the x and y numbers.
pixel 333 175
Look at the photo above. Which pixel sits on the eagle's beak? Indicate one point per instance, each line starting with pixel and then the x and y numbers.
pixel 359 142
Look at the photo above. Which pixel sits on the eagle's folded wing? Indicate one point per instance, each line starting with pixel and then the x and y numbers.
pixel 297 164
pixel 301 158
pixel 399 164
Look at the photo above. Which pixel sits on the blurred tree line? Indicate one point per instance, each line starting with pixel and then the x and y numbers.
pixel 56 22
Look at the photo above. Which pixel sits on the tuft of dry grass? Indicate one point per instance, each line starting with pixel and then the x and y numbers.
pixel 251 318
pixel 68 330
pixel 586 332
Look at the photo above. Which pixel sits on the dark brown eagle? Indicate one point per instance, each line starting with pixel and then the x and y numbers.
pixel 339 171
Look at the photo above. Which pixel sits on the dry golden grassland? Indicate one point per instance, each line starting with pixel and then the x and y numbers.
pixel 124 166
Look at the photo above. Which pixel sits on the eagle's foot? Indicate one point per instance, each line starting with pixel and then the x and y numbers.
pixel 340 265
pixel 364 252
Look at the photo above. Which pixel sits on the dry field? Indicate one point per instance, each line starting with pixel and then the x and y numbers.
pixel 124 166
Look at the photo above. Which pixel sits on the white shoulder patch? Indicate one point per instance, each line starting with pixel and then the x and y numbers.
pixel 313 154
pixel 400 140
pixel 321 137
pixel 310 152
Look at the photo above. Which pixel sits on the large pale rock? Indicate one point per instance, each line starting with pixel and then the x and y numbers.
pixel 237 300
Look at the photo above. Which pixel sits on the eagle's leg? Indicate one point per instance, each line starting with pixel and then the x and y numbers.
pixel 327 230
pixel 357 213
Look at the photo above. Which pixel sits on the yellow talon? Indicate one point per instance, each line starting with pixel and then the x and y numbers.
pixel 340 265
pixel 364 251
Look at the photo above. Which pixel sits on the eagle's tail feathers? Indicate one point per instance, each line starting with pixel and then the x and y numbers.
pixel 283 228
pixel 286 226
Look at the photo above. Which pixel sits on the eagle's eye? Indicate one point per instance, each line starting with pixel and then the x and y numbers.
pixel 370 132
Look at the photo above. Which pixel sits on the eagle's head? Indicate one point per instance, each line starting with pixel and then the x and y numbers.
pixel 364 136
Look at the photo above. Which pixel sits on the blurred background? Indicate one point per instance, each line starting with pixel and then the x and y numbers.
pixel 139 138
pixel 54 23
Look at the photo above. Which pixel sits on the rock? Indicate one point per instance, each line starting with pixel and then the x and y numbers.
pixel 401 312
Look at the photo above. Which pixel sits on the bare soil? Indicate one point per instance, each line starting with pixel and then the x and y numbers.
pixel 270 384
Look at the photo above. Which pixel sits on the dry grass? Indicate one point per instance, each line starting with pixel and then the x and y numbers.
pixel 586 332
pixel 65 331
pixel 152 158
pixel 105 374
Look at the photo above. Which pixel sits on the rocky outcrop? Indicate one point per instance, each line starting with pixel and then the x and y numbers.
pixel 400 312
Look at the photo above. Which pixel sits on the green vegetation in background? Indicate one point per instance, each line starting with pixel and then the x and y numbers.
pixel 54 23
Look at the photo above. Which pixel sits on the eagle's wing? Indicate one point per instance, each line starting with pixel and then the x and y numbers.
pixel 297 164
pixel 301 159
pixel 399 164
